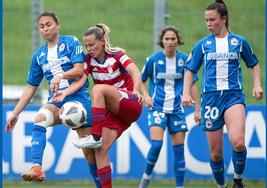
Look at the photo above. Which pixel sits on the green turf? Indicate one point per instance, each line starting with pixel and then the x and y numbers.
pixel 131 24
pixel 122 184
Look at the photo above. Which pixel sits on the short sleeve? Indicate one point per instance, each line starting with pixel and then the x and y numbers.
pixel 35 74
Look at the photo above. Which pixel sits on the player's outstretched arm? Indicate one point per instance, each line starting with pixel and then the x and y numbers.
pixel 27 95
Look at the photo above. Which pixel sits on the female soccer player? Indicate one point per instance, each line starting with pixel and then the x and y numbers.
pixel 165 69
pixel 60 61
pixel 222 99
pixel 115 96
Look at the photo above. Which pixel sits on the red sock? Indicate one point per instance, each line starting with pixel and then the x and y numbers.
pixel 104 175
pixel 98 118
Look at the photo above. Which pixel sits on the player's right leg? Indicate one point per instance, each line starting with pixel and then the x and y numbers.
pixel 47 116
pixel 156 134
pixel 215 141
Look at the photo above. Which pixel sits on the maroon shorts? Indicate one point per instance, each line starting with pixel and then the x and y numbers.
pixel 129 111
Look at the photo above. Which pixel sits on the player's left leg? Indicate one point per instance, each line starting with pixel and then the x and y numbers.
pixel 178 158
pixel 235 123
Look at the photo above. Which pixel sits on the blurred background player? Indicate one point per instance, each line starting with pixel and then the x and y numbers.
pixel 165 69
pixel 222 99
pixel 115 96
pixel 60 61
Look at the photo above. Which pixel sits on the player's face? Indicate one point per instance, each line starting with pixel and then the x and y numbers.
pixel 48 28
pixel 170 41
pixel 214 22
pixel 94 46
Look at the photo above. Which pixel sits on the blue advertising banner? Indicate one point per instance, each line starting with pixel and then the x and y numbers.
pixel 62 160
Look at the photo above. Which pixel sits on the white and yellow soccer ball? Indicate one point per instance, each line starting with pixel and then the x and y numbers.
pixel 73 114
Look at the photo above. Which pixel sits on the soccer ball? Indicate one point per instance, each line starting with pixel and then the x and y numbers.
pixel 73 114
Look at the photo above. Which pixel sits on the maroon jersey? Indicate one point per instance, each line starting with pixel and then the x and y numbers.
pixel 112 71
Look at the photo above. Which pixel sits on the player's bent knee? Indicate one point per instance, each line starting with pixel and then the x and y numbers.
pixel 44 118
pixel 216 157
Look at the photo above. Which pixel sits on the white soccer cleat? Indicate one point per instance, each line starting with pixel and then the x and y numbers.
pixel 87 142
pixel 145 180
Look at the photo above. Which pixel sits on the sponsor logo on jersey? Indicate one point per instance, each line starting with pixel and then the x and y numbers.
pixel 54 63
pixel 169 75
pixel 222 55
pixel 234 42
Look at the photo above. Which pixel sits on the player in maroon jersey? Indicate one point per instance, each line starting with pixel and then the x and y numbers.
pixel 115 96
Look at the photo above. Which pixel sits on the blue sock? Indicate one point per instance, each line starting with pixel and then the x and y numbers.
pixel 218 171
pixel 179 164
pixel 93 171
pixel 38 144
pixel 153 155
pixel 239 161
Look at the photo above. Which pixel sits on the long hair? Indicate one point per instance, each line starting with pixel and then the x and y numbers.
pixel 101 31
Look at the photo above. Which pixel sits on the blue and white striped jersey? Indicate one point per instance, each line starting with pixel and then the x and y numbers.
pixel 221 61
pixel 47 62
pixel 166 80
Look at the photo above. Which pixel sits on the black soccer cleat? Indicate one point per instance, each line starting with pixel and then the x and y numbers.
pixel 238 183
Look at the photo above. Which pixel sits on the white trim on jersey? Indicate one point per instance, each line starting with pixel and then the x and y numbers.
pixel 124 58
pixel 169 86
pixel 222 64
pixel 52 56
pixel 119 84
pixel 106 76
pixel 109 61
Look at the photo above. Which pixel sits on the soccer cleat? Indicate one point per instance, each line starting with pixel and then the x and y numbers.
pixel 34 174
pixel 87 142
pixel 238 183
pixel 144 181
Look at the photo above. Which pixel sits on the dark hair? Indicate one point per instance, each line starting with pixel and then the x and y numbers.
pixel 49 13
pixel 221 8
pixel 170 28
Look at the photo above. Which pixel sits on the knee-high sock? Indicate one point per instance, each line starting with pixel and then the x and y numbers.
pixel 104 175
pixel 38 144
pixel 179 164
pixel 239 161
pixel 98 118
pixel 218 171
pixel 153 155
pixel 93 171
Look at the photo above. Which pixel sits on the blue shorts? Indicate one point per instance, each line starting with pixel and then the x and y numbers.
pixel 174 122
pixel 213 106
pixel 84 99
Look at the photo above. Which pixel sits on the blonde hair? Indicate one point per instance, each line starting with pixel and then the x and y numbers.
pixel 101 31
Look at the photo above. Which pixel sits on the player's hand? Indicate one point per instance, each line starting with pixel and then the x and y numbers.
pixel 140 97
pixel 187 100
pixel 197 118
pixel 148 101
pixel 11 122
pixel 58 97
pixel 257 92
pixel 54 84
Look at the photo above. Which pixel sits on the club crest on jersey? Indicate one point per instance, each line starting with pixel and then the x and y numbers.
pixel 180 62
pixel 208 124
pixel 110 69
pixel 62 47
pixel 234 41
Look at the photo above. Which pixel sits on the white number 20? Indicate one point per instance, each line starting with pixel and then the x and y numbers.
pixel 211 113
